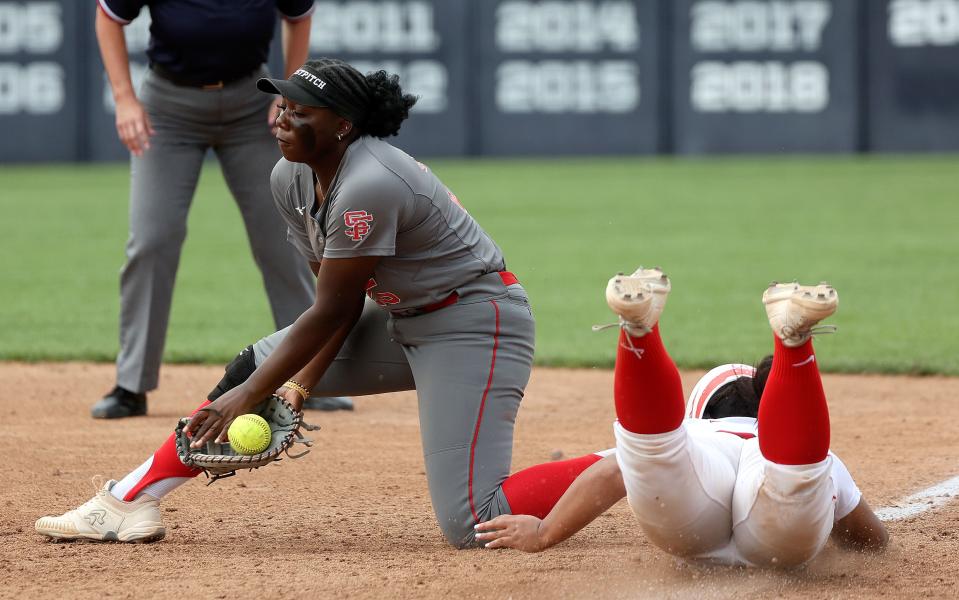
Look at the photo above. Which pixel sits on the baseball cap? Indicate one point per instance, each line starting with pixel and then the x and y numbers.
pixel 308 87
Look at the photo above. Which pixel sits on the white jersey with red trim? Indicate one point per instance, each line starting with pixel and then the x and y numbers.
pixel 848 494
pixel 705 492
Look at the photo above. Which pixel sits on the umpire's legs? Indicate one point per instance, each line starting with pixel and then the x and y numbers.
pixel 162 185
pixel 247 154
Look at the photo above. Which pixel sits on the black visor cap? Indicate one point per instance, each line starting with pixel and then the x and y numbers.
pixel 290 89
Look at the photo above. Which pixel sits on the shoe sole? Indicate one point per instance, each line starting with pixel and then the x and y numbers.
pixel 144 533
pixel 107 418
pixel 806 306
pixel 655 277
pixel 658 282
pixel 135 537
pixel 103 415
pixel 629 297
pixel 817 301
pixel 623 292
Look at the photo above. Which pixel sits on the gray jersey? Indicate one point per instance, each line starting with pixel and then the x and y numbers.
pixel 469 362
pixel 382 202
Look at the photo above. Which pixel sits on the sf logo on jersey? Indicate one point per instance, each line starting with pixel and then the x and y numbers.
pixel 358 224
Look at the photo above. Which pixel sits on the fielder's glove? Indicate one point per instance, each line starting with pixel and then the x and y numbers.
pixel 221 460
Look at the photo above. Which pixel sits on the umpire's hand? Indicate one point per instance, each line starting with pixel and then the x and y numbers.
pixel 133 125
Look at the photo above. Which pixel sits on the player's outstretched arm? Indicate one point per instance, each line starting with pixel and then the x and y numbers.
pixel 861 530
pixel 313 340
pixel 591 494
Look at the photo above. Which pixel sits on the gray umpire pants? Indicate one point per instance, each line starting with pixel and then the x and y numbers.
pixel 188 121
pixel 469 364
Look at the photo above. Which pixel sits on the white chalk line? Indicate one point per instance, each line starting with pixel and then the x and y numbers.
pixel 918 503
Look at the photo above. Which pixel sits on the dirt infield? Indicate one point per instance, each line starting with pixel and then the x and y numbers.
pixel 353 519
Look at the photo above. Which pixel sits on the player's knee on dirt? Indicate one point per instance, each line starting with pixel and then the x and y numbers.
pixel 456 519
pixel 457 529
pixel 238 371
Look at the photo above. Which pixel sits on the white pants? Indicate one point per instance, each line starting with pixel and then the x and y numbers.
pixel 709 495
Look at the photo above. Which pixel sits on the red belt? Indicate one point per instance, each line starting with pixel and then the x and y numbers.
pixel 447 301
pixel 508 280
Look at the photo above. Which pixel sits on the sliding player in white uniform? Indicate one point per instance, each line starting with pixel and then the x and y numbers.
pixel 726 477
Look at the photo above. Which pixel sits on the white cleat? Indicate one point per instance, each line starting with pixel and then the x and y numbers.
pixel 794 310
pixel 638 299
pixel 105 519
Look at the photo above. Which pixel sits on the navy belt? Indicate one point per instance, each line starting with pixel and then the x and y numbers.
pixel 183 81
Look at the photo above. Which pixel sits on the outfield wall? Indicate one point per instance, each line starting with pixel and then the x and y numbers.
pixel 545 77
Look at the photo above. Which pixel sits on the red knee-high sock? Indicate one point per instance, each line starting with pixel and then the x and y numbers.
pixel 647 388
pixel 166 463
pixel 793 416
pixel 536 490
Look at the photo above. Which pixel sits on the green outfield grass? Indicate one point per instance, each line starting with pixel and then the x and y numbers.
pixel 883 230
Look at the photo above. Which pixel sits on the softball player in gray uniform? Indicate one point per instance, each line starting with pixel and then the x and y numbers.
pixel 411 293
pixel 456 326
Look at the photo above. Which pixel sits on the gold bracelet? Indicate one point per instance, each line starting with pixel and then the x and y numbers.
pixel 299 389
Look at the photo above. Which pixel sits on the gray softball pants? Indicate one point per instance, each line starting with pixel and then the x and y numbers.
pixel 469 364
pixel 188 121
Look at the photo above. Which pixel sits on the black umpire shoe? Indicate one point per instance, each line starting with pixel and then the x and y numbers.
pixel 120 403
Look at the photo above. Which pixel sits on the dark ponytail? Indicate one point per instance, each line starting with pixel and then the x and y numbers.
pixel 389 106
pixel 374 102
pixel 740 397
